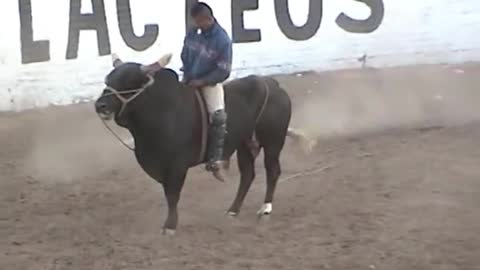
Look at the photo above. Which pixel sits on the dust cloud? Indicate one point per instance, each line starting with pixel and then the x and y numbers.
pixel 349 103
pixel 71 141
pixel 66 147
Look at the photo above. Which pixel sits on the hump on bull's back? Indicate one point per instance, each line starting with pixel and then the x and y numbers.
pixel 248 86
pixel 166 74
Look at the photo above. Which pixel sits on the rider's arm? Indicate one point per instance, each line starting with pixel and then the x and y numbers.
pixel 185 64
pixel 223 64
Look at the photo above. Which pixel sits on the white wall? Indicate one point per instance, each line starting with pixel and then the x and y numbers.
pixel 425 31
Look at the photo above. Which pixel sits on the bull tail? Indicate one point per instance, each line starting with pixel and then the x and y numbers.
pixel 300 137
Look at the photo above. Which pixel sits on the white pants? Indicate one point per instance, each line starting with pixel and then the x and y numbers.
pixel 214 97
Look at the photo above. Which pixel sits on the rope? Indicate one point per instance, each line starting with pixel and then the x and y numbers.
pixel 265 101
pixel 264 105
pixel 204 126
pixel 125 101
pixel 116 136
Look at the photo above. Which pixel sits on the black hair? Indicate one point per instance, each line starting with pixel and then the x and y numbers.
pixel 201 8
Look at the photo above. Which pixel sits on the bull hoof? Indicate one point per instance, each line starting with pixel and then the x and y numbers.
pixel 232 214
pixel 265 210
pixel 169 232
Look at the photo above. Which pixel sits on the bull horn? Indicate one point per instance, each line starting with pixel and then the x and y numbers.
pixel 158 65
pixel 165 60
pixel 116 61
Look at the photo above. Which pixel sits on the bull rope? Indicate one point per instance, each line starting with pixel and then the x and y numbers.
pixel 262 109
pixel 265 101
pixel 125 101
pixel 116 135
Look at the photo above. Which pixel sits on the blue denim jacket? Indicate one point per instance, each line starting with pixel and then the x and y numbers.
pixel 207 55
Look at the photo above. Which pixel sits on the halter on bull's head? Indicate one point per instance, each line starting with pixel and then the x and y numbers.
pixel 125 83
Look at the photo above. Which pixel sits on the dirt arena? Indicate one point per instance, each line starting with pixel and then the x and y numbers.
pixel 393 183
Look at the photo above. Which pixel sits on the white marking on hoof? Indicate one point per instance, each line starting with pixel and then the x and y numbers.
pixel 169 232
pixel 265 210
pixel 131 142
pixel 232 214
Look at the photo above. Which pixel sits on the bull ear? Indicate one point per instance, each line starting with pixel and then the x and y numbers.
pixel 116 61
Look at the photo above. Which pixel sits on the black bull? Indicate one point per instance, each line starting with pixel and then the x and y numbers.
pixel 160 112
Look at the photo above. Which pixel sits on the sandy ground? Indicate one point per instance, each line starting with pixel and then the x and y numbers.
pixel 401 188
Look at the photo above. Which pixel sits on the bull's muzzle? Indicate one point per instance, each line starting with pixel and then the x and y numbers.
pixel 102 110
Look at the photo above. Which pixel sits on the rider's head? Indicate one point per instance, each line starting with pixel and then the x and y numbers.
pixel 202 15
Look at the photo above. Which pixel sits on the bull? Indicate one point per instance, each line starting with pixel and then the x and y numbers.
pixel 164 117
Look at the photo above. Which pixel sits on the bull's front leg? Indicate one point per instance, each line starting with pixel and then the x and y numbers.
pixel 172 188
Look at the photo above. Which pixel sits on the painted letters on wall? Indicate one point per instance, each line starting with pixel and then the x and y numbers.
pixel 39 50
pixel 57 53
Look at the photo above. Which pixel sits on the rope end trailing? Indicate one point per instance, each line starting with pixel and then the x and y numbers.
pixel 116 136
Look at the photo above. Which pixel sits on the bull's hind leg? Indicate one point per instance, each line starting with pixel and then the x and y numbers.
pixel 273 168
pixel 273 141
pixel 246 165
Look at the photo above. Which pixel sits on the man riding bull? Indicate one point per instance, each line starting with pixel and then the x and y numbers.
pixel 207 61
